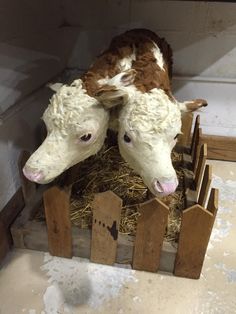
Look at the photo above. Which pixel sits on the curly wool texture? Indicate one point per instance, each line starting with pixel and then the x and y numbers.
pixel 67 107
pixel 150 113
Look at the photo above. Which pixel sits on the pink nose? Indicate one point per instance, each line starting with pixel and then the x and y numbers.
pixel 165 187
pixel 32 175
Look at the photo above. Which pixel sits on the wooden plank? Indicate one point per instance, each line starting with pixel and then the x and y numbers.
pixel 14 206
pixel 190 198
pixel 57 212
pixel 4 242
pixel 106 219
pixel 220 147
pixel 195 131
pixel 205 187
pixel 196 153
pixel 213 201
pixel 200 167
pixel 28 187
pixel 195 232
pixel 33 235
pixel 187 120
pixel 150 233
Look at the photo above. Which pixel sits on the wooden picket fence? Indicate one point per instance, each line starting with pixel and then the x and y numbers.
pixel 104 244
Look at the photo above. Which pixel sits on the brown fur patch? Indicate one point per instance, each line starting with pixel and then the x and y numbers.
pixel 149 74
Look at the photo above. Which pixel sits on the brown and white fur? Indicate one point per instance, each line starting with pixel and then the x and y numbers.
pixel 150 116
pixel 133 75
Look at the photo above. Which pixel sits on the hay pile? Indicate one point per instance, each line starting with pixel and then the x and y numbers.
pixel 108 171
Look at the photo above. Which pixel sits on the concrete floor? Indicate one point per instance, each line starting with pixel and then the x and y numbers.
pixel 34 282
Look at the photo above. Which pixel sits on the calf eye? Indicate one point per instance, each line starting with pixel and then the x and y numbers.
pixel 175 138
pixel 86 137
pixel 127 139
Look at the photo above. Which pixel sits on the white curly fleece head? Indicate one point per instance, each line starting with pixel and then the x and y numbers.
pixel 71 116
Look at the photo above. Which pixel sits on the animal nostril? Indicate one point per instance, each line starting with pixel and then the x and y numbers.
pixel 32 175
pixel 165 187
pixel 158 186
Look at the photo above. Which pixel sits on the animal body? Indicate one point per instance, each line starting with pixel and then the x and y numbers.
pixel 131 79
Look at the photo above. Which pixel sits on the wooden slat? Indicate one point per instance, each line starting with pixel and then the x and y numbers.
pixel 150 232
pixel 28 187
pixel 205 187
pixel 195 232
pixel 196 153
pixel 195 131
pixel 213 201
pixel 187 120
pixel 7 216
pixel 4 242
pixel 220 147
pixel 200 167
pixel 106 219
pixel 33 235
pixel 13 207
pixel 57 212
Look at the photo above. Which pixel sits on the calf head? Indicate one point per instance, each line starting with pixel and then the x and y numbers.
pixel 76 126
pixel 149 124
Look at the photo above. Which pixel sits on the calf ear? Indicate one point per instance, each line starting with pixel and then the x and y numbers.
pixel 110 96
pixel 54 86
pixel 192 105
pixel 113 92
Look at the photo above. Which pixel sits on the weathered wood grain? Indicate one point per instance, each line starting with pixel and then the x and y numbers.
pixel 13 207
pixel 220 147
pixel 205 186
pixel 196 153
pixel 106 219
pixel 194 137
pixel 57 212
pixel 33 235
pixel 200 167
pixel 213 201
pixel 187 120
pixel 150 233
pixel 7 216
pixel 4 242
pixel 195 232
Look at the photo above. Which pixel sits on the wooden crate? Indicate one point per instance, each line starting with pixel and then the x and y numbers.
pixel 104 244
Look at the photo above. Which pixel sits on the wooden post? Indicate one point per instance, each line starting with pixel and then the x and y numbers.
pixel 195 131
pixel 187 120
pixel 4 242
pixel 150 233
pixel 56 203
pixel 106 219
pixel 28 187
pixel 195 232
pixel 200 167
pixel 212 205
pixel 205 187
pixel 196 152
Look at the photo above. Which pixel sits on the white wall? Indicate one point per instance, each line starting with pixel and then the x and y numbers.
pixel 202 36
pixel 34 47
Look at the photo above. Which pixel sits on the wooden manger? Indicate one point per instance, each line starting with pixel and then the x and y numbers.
pixel 104 244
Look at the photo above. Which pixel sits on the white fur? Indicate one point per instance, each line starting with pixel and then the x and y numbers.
pixel 151 120
pixel 70 115
pixel 126 63
pixel 158 56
